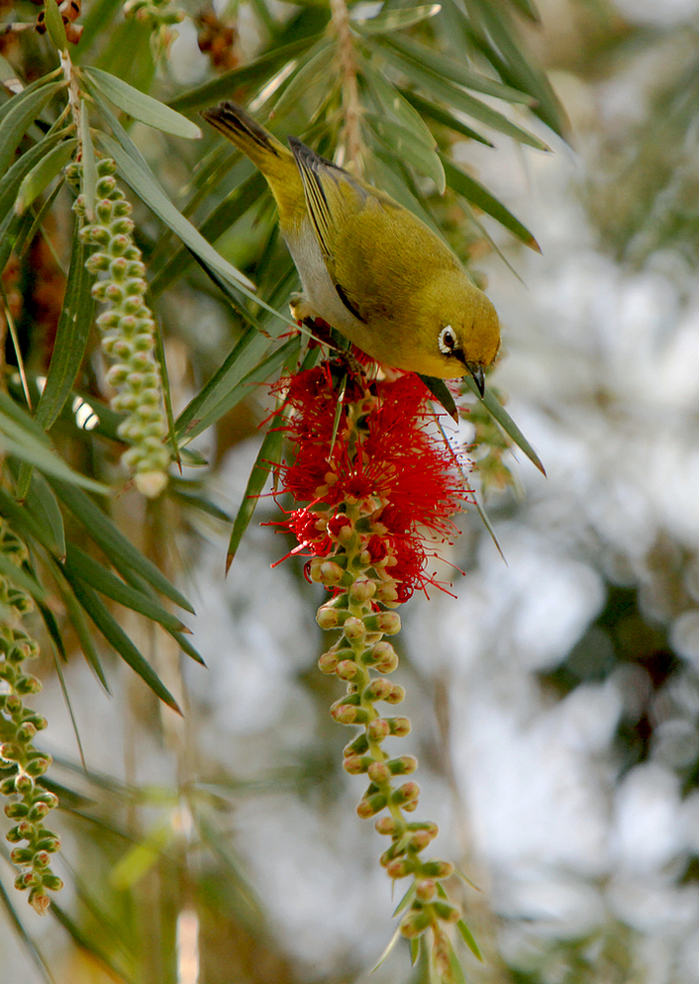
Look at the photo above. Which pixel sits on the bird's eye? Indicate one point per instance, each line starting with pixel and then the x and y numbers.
pixel 447 340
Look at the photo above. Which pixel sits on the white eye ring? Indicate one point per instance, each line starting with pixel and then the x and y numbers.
pixel 447 340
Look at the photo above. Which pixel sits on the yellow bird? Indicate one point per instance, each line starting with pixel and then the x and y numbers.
pixel 369 267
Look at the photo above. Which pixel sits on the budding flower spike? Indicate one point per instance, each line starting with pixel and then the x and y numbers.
pixel 128 328
pixel 376 486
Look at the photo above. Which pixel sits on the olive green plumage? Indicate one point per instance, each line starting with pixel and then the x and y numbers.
pixel 369 267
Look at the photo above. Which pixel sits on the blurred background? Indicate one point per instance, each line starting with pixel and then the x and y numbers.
pixel 554 699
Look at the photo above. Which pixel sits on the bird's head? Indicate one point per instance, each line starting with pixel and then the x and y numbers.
pixel 463 334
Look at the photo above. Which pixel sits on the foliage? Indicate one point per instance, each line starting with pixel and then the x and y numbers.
pixel 89 108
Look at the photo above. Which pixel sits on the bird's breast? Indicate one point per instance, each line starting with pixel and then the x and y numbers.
pixel 317 283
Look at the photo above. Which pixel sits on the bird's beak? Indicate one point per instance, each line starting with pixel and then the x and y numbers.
pixel 478 373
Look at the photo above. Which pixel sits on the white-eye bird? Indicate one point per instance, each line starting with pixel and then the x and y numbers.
pixel 369 267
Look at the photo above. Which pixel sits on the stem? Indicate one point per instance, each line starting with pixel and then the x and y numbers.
pixel 351 107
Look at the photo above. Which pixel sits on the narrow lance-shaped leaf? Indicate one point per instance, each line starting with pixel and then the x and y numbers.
pixel 268 455
pixel 238 392
pixel 27 106
pixel 498 412
pixel 448 68
pixel 118 639
pixel 55 25
pixel 150 192
pixel 71 336
pixel 403 144
pixel 255 71
pixel 455 96
pixel 79 622
pixel 395 19
pixel 87 158
pixel 475 193
pixel 42 504
pixel 107 583
pixel 121 552
pixel 23 579
pixel 393 103
pixel 141 106
pixel 443 116
pixel 43 173
pixel 468 938
pixel 20 442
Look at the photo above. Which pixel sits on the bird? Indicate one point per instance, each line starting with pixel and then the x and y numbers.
pixel 369 267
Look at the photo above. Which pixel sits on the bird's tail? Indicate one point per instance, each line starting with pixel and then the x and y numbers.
pixel 258 144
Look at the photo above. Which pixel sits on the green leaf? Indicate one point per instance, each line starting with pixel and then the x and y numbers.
pixel 456 971
pixel 150 192
pixel 498 412
pixel 140 106
pixel 21 578
pixel 72 334
pixel 55 25
pixel 43 173
pixel 316 65
pixel 79 623
pixel 43 966
pixel 42 504
pixel 387 952
pixel 394 19
pixel 235 388
pixel 455 96
pixel 467 937
pixel 444 117
pixel 403 144
pixel 24 109
pixel 87 157
pixel 269 453
pixel 233 206
pixel 23 523
pixel 18 438
pixel 448 68
pixel 474 192
pixel 255 71
pixel 11 180
pixel 96 576
pixel 394 103
pixel 118 639
pixel 504 53
pixel 442 394
pixel 86 942
pixel 120 551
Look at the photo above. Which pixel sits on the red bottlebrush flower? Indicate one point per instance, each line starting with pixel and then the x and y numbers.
pixel 378 470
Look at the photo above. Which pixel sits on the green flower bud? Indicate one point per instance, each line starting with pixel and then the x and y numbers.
pixel 437 869
pixel 396 696
pixel 378 729
pixel 369 806
pixel 406 793
pixel 400 868
pixel 328 662
pixel 446 911
pixel 97 263
pixel 387 826
pixel 378 690
pixel 105 186
pixel 52 882
pixel 386 622
pixel 354 628
pixel 15 811
pixel 399 726
pixel 346 714
pixel 356 764
pixel 26 685
pixel 379 772
pixel 414 924
pixel 425 889
pixel 359 746
pixel 347 669
pixel 103 212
